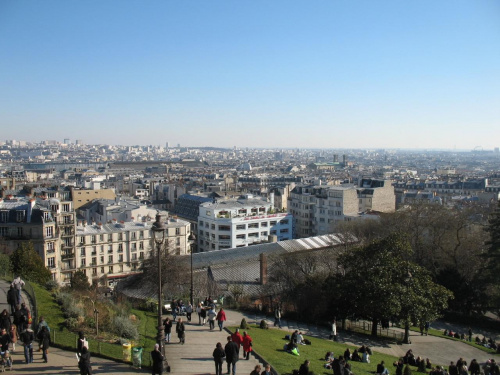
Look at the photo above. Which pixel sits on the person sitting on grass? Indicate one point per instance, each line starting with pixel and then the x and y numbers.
pixel 381 369
pixel 355 356
pixel 291 347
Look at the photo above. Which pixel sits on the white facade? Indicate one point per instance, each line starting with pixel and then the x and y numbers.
pixel 240 222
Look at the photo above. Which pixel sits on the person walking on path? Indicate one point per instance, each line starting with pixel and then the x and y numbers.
pixel 218 355
pixel 211 318
pixel 203 315
pixel 13 336
pixel 157 358
pixel 333 333
pixel 167 327
pixel 247 345
pixel 27 337
pixel 81 343
pixel 18 285
pixel 41 323
pixel 277 317
pixel 180 329
pixel 198 311
pixel 44 337
pixel 221 318
pixel 84 362
pixel 237 339
pixel 189 312
pixel 5 320
pixel 12 299
pixel 232 355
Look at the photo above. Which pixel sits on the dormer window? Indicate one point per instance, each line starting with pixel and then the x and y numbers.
pixel 20 215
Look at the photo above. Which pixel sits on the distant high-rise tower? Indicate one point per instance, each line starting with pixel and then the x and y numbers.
pixel 166 145
pixel 178 145
pixel 66 141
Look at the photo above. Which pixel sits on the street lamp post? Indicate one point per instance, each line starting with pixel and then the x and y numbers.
pixel 159 238
pixel 192 239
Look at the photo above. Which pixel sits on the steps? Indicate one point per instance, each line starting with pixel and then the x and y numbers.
pixel 195 356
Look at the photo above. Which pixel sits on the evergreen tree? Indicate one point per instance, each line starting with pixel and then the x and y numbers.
pixel 26 262
pixel 79 281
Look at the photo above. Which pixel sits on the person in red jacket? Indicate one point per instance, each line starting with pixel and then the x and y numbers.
pixel 247 345
pixel 237 339
pixel 221 317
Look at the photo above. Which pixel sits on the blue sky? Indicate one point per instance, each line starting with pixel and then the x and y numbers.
pixel 322 74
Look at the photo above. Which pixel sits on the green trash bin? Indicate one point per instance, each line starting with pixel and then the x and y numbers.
pixel 137 356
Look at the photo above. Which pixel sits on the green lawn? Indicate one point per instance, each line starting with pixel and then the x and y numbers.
pixel 269 344
pixel 435 332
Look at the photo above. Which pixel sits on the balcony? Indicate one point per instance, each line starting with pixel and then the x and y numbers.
pixel 68 255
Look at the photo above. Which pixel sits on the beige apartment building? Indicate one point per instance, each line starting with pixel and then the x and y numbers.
pixel 317 209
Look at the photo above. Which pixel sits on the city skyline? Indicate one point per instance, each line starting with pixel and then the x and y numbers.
pixel 332 75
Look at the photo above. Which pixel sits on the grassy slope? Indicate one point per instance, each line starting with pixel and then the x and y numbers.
pixel 269 344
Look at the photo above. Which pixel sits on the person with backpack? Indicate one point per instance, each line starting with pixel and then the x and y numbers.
pixel 81 343
pixel 211 318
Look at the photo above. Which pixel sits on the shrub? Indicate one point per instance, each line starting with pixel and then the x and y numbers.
pixel 125 328
pixel 244 324
pixel 263 324
pixel 74 311
pixel 51 285
pixel 71 323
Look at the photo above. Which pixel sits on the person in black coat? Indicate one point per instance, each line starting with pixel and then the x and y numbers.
pixel 232 356
pixel 167 327
pixel 218 355
pixel 80 344
pixel 27 336
pixel 304 368
pixel 180 329
pixel 12 299
pixel 44 339
pixel 157 358
pixel 4 340
pixel 338 366
pixel 84 362
pixel 5 320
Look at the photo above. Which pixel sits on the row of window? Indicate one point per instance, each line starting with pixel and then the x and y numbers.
pixel 227 228
pixel 94 239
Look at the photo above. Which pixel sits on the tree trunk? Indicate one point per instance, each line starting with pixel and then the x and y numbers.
pixel 406 339
pixel 374 327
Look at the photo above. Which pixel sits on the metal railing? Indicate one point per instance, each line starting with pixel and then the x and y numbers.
pixel 366 327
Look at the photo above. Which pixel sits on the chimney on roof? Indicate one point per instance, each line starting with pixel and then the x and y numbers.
pixel 263 269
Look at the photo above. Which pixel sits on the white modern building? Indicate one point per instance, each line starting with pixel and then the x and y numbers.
pixel 229 223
